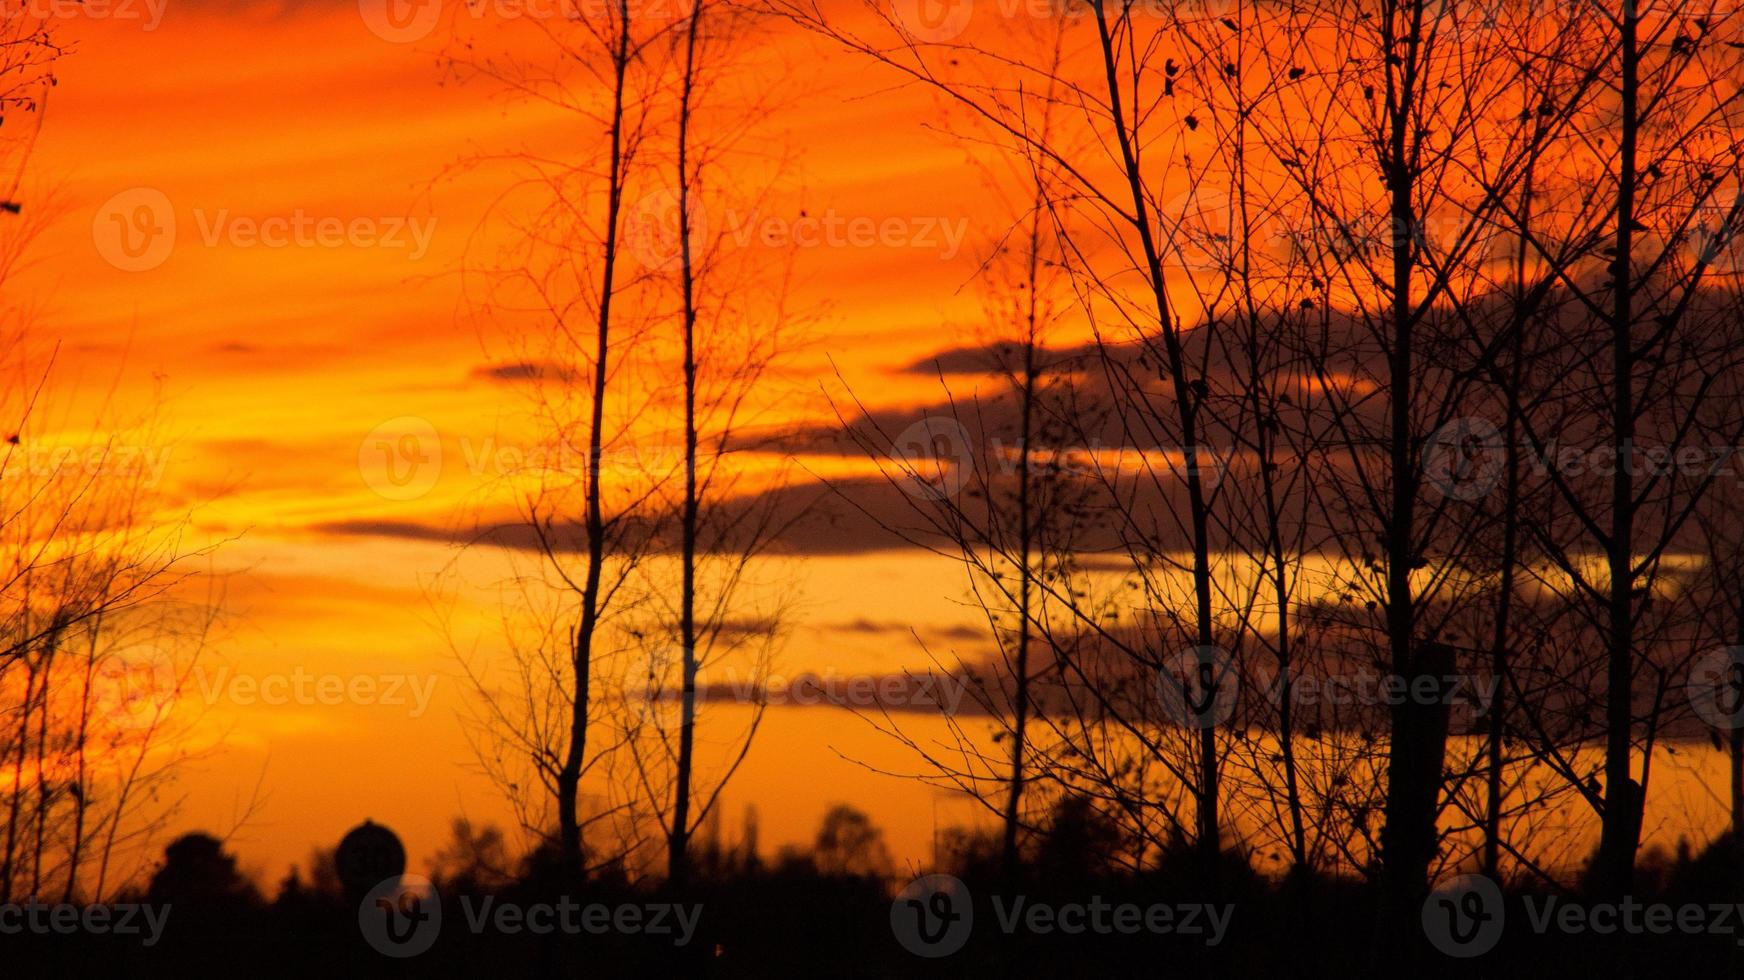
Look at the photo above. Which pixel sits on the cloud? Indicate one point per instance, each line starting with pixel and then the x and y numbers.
pixel 516 371
pixel 845 518
pixel 1001 357
pixel 958 631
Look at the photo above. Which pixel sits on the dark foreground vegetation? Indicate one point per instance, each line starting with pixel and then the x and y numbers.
pixel 829 912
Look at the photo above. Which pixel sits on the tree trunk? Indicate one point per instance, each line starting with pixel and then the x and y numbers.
pixel 569 776
pixel 1621 827
pixel 678 859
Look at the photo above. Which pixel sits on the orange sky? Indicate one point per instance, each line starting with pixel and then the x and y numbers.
pixel 276 364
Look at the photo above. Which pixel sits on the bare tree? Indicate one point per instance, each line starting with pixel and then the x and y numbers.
pixel 568 281
pixel 101 623
pixel 731 315
pixel 101 620
pixel 992 480
pixel 1113 95
pixel 1630 228
pixel 1723 622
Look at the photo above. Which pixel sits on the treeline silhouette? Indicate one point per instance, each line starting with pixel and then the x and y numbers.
pixel 827 911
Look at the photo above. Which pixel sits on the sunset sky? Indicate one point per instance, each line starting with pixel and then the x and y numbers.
pixel 276 371
pixel 270 366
